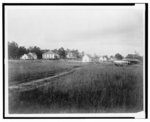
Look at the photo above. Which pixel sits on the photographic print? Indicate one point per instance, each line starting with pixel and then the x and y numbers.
pixel 75 60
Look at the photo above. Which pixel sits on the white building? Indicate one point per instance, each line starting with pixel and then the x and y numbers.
pixel 24 57
pixel 29 56
pixel 103 59
pixel 70 55
pixel 86 58
pixel 50 55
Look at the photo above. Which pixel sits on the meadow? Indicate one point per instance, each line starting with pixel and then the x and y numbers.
pixel 94 88
pixel 21 71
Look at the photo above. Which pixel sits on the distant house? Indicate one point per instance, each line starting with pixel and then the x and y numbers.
pixel 103 58
pixel 29 56
pixel 86 58
pixel 70 55
pixel 134 56
pixel 24 57
pixel 50 55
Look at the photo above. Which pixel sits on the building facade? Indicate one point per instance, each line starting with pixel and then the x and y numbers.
pixel 50 55
pixel 86 58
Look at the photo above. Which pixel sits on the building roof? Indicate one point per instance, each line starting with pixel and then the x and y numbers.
pixel 88 55
pixel 29 56
pixel 103 57
pixel 49 52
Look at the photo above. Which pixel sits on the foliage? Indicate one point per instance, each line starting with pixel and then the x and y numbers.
pixel 21 51
pixel 13 50
pixel 118 56
pixel 62 52
pixel 135 56
pixel 75 53
pixel 37 51
pixel 95 58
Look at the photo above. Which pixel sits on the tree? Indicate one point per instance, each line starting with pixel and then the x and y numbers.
pixel 55 51
pixel 95 58
pixel 82 53
pixel 44 50
pixel 36 50
pixel 21 51
pixel 76 53
pixel 111 56
pixel 13 50
pixel 118 56
pixel 62 52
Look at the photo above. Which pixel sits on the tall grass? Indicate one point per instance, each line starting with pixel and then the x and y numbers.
pixel 27 70
pixel 93 88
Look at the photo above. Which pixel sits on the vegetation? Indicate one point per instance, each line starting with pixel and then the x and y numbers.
pixel 24 71
pixel 15 51
pixel 36 50
pixel 118 56
pixel 135 56
pixel 92 88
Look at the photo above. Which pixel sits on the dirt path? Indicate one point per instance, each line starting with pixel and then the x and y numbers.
pixel 40 82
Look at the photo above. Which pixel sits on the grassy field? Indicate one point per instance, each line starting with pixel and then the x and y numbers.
pixel 93 88
pixel 27 70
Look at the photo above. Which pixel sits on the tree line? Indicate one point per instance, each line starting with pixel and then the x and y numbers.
pixel 129 56
pixel 15 51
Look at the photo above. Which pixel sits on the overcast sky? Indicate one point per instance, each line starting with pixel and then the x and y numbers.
pixel 93 29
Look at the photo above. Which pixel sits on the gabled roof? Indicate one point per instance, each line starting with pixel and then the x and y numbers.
pixel 49 52
pixel 103 57
pixel 88 55
pixel 29 56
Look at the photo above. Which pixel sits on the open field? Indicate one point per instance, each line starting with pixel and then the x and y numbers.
pixel 21 71
pixel 92 88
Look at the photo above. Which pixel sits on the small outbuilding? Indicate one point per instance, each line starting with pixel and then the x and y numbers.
pixel 103 58
pixel 24 57
pixel 29 56
pixel 70 55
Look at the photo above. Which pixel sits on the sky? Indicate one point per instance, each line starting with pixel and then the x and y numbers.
pixel 100 30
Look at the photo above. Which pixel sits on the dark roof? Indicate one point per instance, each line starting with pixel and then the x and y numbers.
pixel 49 52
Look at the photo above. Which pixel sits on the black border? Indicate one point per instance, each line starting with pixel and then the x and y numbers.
pixel 70 4
pixel 3 41
pixel 146 60
pixel 77 4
